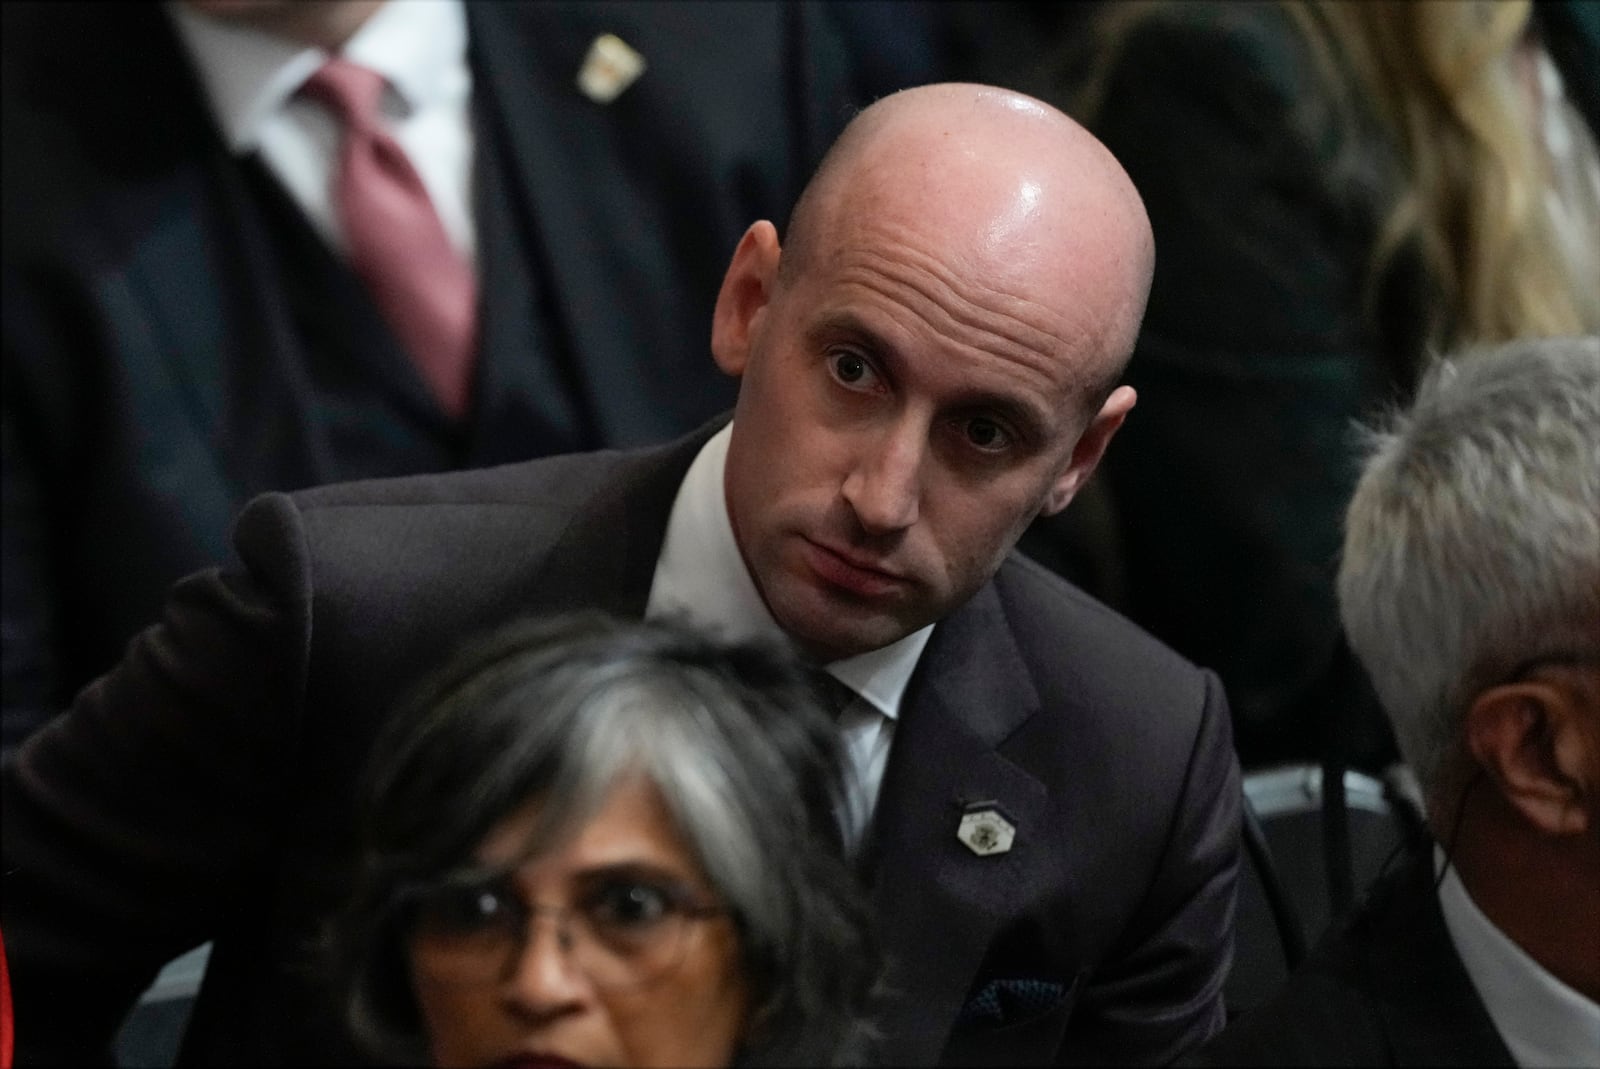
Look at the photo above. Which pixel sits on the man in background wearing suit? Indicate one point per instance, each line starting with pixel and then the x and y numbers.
pixel 188 316
pixel 1048 805
pixel 1470 589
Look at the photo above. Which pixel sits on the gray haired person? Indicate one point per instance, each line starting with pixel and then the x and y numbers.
pixel 1470 591
pixel 439 948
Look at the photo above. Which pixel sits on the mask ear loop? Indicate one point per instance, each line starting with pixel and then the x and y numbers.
pixel 1455 826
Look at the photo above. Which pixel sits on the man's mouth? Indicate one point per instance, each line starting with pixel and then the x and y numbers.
pixel 849 572
pixel 531 1060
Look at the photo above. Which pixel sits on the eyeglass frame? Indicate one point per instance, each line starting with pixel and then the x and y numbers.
pixel 683 909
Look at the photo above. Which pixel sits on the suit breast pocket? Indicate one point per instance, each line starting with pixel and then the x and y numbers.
pixel 1012 1022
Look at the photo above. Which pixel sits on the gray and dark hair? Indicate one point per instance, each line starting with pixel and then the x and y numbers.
pixel 1472 543
pixel 558 710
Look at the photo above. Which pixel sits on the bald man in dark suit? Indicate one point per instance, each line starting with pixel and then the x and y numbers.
pixel 1048 803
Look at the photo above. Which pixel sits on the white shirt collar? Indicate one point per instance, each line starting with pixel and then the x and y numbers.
pixel 701 576
pixel 1542 1021
pixel 420 46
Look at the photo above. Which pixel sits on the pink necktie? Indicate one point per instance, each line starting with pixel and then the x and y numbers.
pixel 398 246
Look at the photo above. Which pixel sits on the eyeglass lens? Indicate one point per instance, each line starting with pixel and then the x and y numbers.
pixel 621 929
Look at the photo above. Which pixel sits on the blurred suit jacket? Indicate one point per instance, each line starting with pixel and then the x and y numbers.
pixel 209 780
pixel 178 339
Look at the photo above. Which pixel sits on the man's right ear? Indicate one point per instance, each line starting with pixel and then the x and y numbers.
pixel 1537 741
pixel 742 301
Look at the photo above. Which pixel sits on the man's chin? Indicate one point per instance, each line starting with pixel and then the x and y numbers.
pixel 836 638
pixel 829 624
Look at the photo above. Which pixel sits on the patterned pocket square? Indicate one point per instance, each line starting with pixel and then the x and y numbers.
pixel 1006 1002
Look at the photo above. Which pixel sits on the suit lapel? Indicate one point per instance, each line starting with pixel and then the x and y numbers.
pixel 938 904
pixel 574 163
pixel 561 174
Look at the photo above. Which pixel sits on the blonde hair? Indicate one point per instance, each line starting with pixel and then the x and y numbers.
pixel 1445 80
pixel 1480 193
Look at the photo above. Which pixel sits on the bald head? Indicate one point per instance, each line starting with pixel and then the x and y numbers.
pixel 998 185
pixel 928 361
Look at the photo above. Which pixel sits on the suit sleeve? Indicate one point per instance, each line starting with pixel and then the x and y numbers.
pixel 134 820
pixel 1160 992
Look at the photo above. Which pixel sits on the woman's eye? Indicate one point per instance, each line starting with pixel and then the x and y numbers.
pixel 466 909
pixel 850 369
pixel 986 434
pixel 629 905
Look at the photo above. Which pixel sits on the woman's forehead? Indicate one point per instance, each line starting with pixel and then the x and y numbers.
pixel 630 824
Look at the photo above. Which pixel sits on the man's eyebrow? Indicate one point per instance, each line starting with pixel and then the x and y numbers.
pixel 1029 419
pixel 846 322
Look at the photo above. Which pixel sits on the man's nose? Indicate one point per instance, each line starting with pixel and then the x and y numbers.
pixel 544 977
pixel 884 488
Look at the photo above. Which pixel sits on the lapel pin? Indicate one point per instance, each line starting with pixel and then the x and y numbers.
pixel 985 831
pixel 609 67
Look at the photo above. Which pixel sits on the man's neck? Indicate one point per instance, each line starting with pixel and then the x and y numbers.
pixel 1538 890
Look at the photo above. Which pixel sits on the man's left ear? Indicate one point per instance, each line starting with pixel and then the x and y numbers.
pixel 1537 739
pixel 1090 448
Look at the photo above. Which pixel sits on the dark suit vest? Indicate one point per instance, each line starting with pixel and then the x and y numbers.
pixel 366 411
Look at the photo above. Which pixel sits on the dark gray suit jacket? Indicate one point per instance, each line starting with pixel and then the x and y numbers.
pixel 1384 988
pixel 203 788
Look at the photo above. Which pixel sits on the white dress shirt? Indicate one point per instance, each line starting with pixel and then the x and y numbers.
pixel 701 577
pixel 1543 1022
pixel 251 80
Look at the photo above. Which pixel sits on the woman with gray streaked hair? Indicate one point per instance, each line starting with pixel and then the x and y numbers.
pixel 666 803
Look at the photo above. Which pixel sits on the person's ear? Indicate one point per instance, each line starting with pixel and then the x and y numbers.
pixel 1090 448
pixel 1536 740
pixel 742 301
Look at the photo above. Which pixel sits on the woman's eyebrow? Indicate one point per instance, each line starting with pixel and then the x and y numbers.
pixel 641 869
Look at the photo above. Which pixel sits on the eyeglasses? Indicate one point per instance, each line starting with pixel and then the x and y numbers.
pixel 623 929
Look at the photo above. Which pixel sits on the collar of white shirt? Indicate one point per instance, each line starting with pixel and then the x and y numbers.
pixel 1542 1020
pixel 701 576
pixel 419 46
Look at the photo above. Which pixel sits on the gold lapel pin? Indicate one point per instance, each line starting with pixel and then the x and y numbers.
pixel 610 66
pixel 984 831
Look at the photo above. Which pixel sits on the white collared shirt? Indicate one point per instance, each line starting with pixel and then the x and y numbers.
pixel 251 79
pixel 701 577
pixel 1543 1022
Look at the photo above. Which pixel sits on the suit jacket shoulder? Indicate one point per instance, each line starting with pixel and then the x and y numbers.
pixel 431 560
pixel 1051 615
pixel 1386 987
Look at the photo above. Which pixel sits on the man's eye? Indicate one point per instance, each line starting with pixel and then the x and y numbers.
pixel 850 369
pixel 986 434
